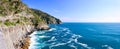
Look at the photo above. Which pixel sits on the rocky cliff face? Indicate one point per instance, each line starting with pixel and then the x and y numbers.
pixel 17 21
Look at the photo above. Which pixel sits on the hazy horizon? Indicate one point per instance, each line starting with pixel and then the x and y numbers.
pixel 79 10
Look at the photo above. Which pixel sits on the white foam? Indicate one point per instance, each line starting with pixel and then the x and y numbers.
pixel 52 39
pixel 32 47
pixel 36 47
pixel 73 38
pixel 32 43
pixel 69 41
pixel 73 46
pixel 76 36
pixel 59 44
pixel 35 32
pixel 52 29
pixel 84 45
pixel 33 39
pixel 43 36
pixel 108 47
pixel 53 43
pixel 65 29
pixel 68 32
pixel 41 32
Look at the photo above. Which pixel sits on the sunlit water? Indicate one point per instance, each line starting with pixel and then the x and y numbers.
pixel 78 36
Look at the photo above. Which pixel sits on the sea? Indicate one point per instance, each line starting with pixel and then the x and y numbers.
pixel 71 35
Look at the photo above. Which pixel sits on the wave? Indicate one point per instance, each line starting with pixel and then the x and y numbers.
pixel 52 39
pixel 59 44
pixel 52 29
pixel 73 46
pixel 43 36
pixel 55 37
pixel 107 46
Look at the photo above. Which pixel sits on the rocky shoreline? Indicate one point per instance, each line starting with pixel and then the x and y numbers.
pixel 17 22
pixel 26 43
pixel 17 37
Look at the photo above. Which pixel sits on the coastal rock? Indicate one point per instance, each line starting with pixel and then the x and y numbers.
pixel 17 22
pixel 42 27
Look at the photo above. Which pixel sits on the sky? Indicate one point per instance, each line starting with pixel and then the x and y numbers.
pixel 79 10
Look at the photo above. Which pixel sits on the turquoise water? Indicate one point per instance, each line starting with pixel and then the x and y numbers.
pixel 78 36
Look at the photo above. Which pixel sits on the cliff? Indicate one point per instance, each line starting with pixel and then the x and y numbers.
pixel 17 22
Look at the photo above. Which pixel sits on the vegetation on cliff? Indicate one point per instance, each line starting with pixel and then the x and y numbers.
pixel 17 21
pixel 19 13
pixel 46 17
pixel 8 7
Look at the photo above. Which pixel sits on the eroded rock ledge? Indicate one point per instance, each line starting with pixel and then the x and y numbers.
pixel 17 37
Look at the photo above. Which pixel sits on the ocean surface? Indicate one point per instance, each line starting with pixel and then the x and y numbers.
pixel 78 36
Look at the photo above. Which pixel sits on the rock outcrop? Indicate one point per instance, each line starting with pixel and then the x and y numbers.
pixel 17 22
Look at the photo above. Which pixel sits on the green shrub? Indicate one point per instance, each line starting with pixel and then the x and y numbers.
pixel 0 22
pixel 25 19
pixel 8 23
pixel 36 19
pixel 1 14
